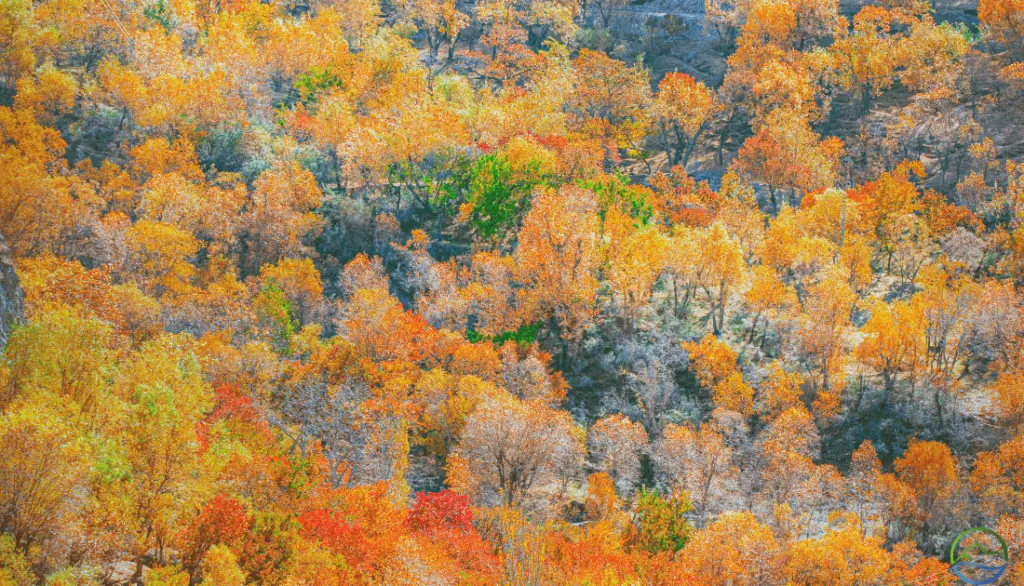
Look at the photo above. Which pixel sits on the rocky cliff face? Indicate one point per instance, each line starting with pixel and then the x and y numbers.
pixel 631 18
pixel 12 298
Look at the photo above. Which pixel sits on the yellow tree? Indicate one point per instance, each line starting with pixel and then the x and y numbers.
pixel 41 475
pixel 635 263
pixel 734 550
pixel 557 260
pixel 767 297
pixel 778 392
pixel 711 360
pixel 867 56
pixel 161 256
pixel 996 478
pixel 843 556
pixel 893 343
pixel 683 109
pixel 823 324
pixel 278 216
pixel 1008 397
pixel 720 268
pixel 1004 20
pixel 166 397
pixel 929 469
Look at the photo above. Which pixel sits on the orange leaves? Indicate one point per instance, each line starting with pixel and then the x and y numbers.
pixel 1008 397
pixel 841 557
pixel 1004 19
pixel 683 108
pixel 787 155
pixel 713 361
pixel 732 394
pixel 609 99
pixel 278 216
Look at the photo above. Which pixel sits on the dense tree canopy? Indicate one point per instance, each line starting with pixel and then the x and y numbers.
pixel 526 292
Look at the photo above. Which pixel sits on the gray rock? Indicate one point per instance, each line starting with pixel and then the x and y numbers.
pixel 12 298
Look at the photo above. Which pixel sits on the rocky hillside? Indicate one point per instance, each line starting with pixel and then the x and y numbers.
pixel 11 296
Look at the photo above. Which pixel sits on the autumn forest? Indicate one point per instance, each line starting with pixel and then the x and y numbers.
pixel 509 292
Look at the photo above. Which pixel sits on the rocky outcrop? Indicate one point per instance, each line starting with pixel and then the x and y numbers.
pixel 12 298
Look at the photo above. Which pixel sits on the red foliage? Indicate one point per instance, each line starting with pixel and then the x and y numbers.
pixel 339 536
pixel 222 520
pixel 231 405
pixel 440 510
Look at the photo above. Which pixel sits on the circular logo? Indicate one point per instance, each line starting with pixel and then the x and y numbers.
pixel 979 556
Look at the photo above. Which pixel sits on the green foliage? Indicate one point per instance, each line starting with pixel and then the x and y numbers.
pixel 160 13
pixel 659 522
pixel 317 79
pixel 524 335
pixel 276 312
pixel 616 191
pixel 501 195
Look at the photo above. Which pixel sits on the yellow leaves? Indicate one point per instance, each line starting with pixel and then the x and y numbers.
pixel 279 214
pixel 63 353
pixel 158 156
pixel 1003 19
pixel 557 257
pixel 161 255
pixel 734 395
pixel 49 94
pixel 767 292
pixel 169 102
pixel 998 478
pixel 300 282
pixel 932 56
pixel 778 392
pixel 42 472
pixel 734 550
pixel 220 568
pixel 636 261
pixel 684 101
pixel 609 99
pixel 770 22
pixel 793 431
pixel 894 341
pixel 843 556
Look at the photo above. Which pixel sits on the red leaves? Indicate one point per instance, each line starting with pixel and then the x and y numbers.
pixel 335 533
pixel 222 520
pixel 440 510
